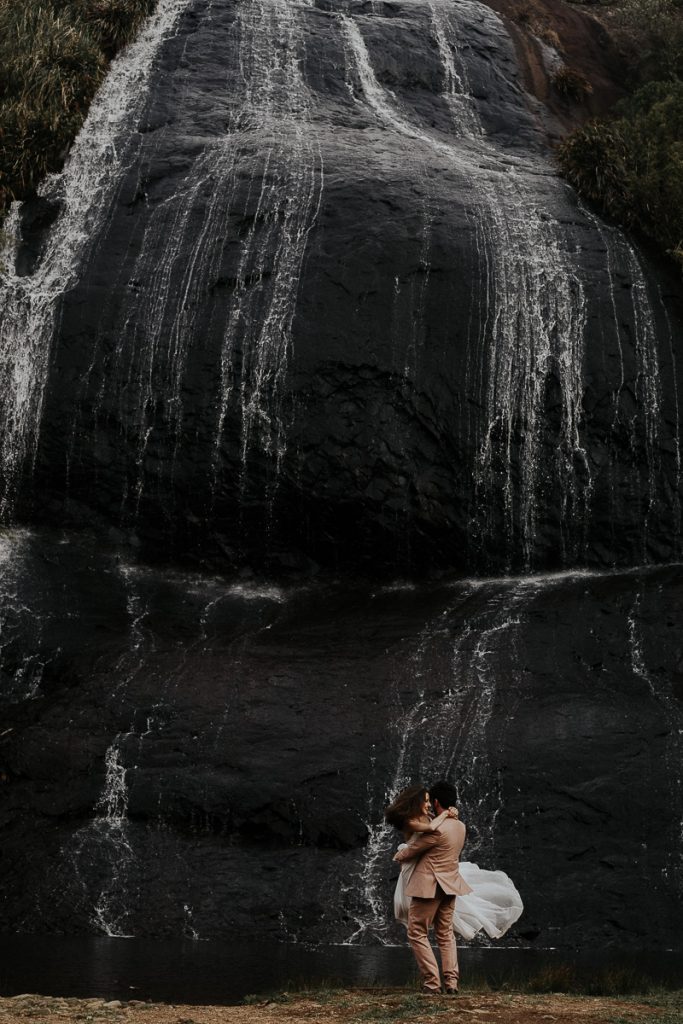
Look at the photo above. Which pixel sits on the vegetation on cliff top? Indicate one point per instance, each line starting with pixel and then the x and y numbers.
pixel 53 56
pixel 631 164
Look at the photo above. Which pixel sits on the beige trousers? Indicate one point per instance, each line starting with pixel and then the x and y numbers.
pixel 422 915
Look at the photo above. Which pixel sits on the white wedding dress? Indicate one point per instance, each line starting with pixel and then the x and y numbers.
pixel 493 906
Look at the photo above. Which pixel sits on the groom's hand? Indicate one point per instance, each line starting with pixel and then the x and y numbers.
pixel 417 846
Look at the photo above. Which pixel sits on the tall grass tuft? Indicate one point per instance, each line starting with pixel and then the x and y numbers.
pixel 53 56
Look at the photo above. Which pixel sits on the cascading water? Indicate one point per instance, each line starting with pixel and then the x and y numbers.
pixel 662 692
pixel 209 350
pixel 450 699
pixel 195 351
pixel 209 729
pixel 457 89
pixel 536 307
pixel 102 848
pixel 84 192
pixel 440 729
pixel 535 318
pixel 264 174
pixel 21 669
pixel 642 423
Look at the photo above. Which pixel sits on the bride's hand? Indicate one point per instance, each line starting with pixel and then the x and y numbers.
pixel 453 812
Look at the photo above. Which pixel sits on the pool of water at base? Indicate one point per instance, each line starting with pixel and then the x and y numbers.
pixel 225 972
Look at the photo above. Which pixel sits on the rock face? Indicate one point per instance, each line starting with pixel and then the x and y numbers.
pixel 188 754
pixel 331 302
pixel 548 34
pixel 310 296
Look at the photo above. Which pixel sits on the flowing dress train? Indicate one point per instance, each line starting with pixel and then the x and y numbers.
pixel 493 906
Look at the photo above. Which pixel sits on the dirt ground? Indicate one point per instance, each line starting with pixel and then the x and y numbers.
pixel 353 1007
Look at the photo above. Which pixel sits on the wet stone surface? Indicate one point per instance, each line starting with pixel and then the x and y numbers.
pixel 317 300
pixel 337 308
pixel 193 755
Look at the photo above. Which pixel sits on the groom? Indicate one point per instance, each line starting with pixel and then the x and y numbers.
pixel 433 887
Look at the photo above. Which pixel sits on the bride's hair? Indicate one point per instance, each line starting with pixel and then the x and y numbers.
pixel 406 806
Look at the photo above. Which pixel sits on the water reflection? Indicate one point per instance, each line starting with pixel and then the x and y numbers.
pixel 219 972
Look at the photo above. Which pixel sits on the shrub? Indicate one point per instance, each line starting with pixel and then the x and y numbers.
pixel 571 84
pixel 651 34
pixel 548 36
pixel 632 166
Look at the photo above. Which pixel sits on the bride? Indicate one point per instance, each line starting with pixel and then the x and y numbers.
pixel 494 904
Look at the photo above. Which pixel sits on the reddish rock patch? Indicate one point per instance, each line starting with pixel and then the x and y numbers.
pixel 547 31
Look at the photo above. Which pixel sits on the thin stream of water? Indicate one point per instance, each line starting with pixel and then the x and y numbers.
pixel 85 190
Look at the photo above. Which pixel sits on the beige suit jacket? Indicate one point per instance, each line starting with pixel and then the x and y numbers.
pixel 439 854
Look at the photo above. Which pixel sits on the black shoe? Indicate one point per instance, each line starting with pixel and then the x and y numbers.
pixel 452 992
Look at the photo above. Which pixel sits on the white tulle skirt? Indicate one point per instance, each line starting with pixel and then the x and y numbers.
pixel 493 906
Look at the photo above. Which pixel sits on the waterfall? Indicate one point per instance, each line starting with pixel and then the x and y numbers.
pixel 277 102
pixel 221 255
pixel 105 844
pixel 264 176
pixel 647 380
pixel 185 710
pixel 660 689
pixel 221 203
pixel 441 731
pixel 113 802
pixel 644 425
pixel 535 325
pixel 536 311
pixel 533 342
pixel 457 91
pixel 108 855
pixel 451 713
pixel 85 191
pixel 21 669
pixel 106 840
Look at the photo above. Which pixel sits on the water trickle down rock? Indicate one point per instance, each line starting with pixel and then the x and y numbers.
pixel 352 313
pixel 84 194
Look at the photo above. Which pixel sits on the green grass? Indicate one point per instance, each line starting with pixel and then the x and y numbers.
pixel 53 56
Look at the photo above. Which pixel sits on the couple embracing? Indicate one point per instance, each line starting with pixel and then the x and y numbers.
pixel 435 890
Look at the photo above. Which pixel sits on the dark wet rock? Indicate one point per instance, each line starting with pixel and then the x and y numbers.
pixel 229 394
pixel 339 320
pixel 208 754
pixel 37 217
